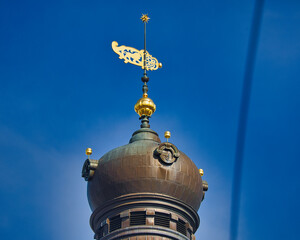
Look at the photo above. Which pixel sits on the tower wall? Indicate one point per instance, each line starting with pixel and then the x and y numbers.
pixel 144 216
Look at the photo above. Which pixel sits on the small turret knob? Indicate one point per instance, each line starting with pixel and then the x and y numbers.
pixel 88 152
pixel 167 135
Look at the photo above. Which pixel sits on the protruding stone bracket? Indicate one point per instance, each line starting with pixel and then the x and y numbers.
pixel 167 153
pixel 205 188
pixel 88 169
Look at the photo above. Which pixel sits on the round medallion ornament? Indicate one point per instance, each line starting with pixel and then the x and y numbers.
pixel 167 153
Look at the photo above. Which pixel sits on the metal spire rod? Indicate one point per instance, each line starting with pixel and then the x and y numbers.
pixel 145 20
pixel 145 70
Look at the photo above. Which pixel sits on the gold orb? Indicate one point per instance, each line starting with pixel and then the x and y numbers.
pixel 88 151
pixel 201 172
pixel 145 106
pixel 167 134
pixel 160 65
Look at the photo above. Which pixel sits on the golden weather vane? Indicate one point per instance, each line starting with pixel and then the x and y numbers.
pixel 144 107
pixel 137 57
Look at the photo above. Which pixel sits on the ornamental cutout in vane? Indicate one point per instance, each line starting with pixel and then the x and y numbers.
pixel 135 56
pixel 167 153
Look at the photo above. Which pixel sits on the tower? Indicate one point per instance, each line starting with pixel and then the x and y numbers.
pixel 146 189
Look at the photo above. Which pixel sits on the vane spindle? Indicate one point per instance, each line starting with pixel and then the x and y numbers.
pixel 145 18
pixel 145 70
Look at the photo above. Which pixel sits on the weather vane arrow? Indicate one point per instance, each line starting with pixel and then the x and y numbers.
pixel 137 57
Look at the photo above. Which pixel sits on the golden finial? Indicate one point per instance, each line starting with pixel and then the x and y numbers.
pixel 88 152
pixel 201 172
pixel 145 106
pixel 145 18
pixel 167 135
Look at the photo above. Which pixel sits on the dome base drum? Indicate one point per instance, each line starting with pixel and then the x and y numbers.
pixel 145 214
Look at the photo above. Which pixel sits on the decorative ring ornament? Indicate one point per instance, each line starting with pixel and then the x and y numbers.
pixel 167 153
pixel 88 169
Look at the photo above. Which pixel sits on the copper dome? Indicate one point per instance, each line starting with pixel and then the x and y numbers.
pixel 136 168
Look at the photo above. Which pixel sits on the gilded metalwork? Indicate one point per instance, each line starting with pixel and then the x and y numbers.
pixel 201 172
pixel 145 106
pixel 167 135
pixel 88 151
pixel 145 18
pixel 167 152
pixel 135 56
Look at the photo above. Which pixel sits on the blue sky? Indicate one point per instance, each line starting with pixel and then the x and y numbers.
pixel 63 89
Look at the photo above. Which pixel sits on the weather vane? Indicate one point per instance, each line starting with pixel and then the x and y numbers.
pixel 137 57
pixel 145 106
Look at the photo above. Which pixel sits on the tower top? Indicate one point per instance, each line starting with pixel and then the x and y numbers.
pixel 146 188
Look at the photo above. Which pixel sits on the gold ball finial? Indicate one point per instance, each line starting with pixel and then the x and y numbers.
pixel 160 65
pixel 167 135
pixel 145 106
pixel 201 172
pixel 88 151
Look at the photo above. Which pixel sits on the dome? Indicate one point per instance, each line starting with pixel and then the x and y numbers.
pixel 145 165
